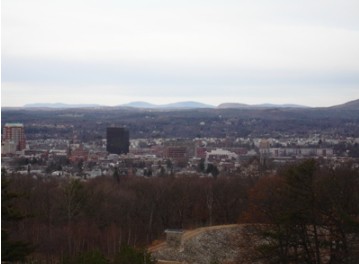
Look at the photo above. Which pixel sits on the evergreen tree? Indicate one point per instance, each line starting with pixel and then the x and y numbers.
pixel 10 250
pixel 90 257
pixel 130 255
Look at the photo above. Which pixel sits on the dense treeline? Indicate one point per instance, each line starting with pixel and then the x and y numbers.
pixel 69 217
pixel 305 213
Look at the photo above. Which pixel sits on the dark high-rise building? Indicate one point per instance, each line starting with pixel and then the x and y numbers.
pixel 118 140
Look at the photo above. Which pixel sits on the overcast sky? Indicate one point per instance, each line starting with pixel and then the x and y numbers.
pixel 162 51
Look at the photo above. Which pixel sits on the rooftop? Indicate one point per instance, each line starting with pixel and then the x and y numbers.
pixel 14 125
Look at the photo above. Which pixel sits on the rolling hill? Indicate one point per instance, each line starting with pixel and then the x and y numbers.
pixel 351 105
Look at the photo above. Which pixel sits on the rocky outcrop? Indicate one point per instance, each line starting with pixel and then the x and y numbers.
pixel 217 244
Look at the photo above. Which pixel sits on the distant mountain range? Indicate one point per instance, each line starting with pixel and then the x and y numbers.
pixel 188 104
pixel 60 105
pixel 352 105
pixel 256 106
pixel 139 104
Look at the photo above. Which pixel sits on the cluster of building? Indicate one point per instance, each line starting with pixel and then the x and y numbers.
pixel 14 140
pixel 118 155
pixel 284 153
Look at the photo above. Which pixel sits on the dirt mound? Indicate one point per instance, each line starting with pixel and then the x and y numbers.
pixel 203 245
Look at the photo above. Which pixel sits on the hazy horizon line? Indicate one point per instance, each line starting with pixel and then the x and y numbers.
pixel 170 102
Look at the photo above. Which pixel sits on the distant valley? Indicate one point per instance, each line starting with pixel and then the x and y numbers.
pixel 186 120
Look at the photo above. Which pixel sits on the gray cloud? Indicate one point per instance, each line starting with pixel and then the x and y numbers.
pixel 186 49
